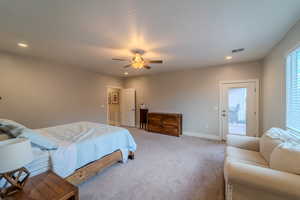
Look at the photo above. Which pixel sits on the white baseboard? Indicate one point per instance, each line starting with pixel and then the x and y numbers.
pixel 202 135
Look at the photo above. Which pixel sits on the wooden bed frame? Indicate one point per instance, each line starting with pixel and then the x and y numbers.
pixel 92 169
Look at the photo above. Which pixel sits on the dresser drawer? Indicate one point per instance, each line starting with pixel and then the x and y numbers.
pixel 154 128
pixel 154 120
pixel 170 121
pixel 171 130
pixel 165 123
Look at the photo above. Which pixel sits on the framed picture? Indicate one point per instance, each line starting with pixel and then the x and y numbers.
pixel 114 98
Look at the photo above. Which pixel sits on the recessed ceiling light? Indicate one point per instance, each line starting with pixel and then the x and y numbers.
pixel 20 44
pixel 125 73
pixel 228 57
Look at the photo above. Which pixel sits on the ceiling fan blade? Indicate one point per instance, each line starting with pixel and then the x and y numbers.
pixel 155 61
pixel 120 59
pixel 147 67
pixel 126 66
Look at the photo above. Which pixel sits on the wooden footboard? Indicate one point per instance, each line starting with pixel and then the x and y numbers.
pixel 95 167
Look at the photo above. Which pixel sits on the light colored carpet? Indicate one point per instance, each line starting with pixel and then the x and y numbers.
pixel 165 168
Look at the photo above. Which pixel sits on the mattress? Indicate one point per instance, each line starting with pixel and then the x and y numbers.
pixel 41 162
pixel 82 143
pixel 78 144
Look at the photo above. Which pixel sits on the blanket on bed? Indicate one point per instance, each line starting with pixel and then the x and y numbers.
pixel 84 142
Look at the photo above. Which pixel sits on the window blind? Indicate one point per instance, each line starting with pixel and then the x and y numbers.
pixel 293 91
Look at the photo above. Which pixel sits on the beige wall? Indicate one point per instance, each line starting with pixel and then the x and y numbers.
pixel 195 93
pixel 41 94
pixel 274 80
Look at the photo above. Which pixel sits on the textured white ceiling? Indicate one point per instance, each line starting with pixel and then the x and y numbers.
pixel 184 33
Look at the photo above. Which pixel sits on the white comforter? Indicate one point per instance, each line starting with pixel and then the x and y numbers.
pixel 84 142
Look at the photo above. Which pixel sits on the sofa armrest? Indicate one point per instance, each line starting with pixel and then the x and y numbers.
pixel 243 142
pixel 260 178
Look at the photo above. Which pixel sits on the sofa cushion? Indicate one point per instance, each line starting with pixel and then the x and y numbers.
pixel 245 156
pixel 286 157
pixel 266 145
pixel 243 142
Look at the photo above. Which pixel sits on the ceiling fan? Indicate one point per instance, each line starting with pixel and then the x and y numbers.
pixel 137 61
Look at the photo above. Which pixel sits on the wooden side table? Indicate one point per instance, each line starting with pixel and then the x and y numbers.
pixel 47 186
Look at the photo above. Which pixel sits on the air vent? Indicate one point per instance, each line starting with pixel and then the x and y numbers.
pixel 237 50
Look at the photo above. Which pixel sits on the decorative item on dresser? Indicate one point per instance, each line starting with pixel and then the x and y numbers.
pixel 143 118
pixel 47 186
pixel 165 123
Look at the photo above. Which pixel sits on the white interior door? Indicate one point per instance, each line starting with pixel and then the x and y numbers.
pixel 239 108
pixel 128 107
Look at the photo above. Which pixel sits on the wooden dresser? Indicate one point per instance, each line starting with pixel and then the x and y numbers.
pixel 165 123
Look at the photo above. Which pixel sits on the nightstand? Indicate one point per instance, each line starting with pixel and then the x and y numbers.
pixel 47 186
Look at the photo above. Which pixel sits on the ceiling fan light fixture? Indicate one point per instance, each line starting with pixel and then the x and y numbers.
pixel 138 65
pixel 137 58
pixel 138 62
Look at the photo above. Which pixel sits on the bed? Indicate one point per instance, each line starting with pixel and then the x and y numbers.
pixel 79 150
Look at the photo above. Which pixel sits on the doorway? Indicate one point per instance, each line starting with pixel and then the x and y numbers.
pixel 239 108
pixel 128 107
pixel 113 106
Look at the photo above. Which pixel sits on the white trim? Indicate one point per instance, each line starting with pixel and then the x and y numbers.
pixel 220 112
pixel 257 86
pixel 121 106
pixel 283 88
pixel 238 81
pixel 284 83
pixel 292 49
pixel 202 135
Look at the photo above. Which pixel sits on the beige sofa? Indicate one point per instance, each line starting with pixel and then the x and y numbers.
pixel 253 168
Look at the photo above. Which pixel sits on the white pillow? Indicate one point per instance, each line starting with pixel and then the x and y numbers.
pixel 11 128
pixel 4 137
pixel 284 135
pixel 266 145
pixel 286 157
pixel 10 122
pixel 38 139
